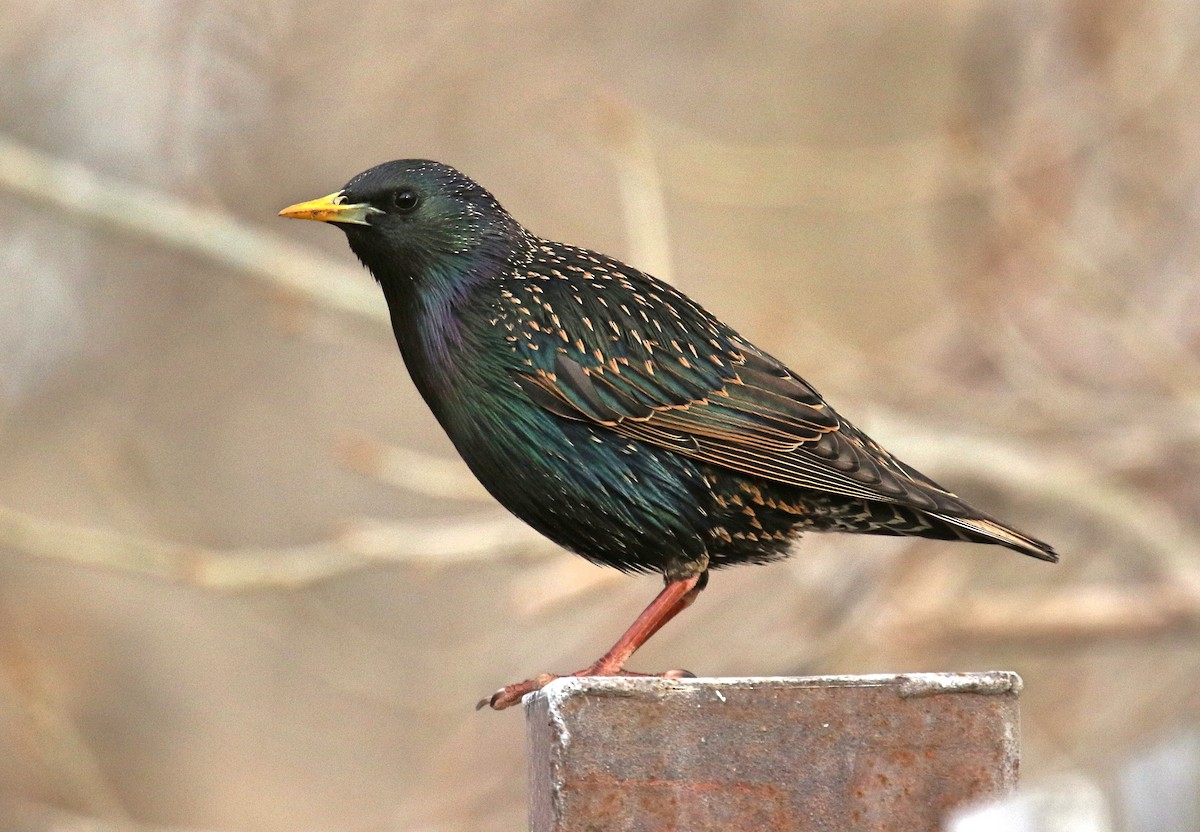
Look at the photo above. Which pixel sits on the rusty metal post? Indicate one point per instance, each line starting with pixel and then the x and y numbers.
pixel 822 754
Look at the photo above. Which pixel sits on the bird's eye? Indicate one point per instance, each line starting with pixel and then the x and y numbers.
pixel 405 200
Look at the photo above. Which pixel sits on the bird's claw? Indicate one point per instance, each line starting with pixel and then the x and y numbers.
pixel 510 695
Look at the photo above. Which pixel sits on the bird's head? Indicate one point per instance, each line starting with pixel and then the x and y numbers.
pixel 415 222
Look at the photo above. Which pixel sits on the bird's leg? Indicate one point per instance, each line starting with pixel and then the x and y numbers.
pixel 674 598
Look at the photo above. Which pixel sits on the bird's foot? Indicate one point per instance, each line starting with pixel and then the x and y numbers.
pixel 510 695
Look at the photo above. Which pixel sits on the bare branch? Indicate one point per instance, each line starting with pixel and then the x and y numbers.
pixel 48 731
pixel 1094 612
pixel 364 544
pixel 623 131
pixel 1056 481
pixel 411 470
pixel 295 270
pixel 549 586
pixel 459 541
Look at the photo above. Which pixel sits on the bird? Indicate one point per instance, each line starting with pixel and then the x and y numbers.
pixel 611 412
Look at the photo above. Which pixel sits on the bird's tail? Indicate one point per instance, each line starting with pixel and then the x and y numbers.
pixel 986 530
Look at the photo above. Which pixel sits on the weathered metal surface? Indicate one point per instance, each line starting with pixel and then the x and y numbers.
pixel 822 754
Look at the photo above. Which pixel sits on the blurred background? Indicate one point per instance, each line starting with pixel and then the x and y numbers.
pixel 245 583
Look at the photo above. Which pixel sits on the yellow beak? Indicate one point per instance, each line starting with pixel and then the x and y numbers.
pixel 332 208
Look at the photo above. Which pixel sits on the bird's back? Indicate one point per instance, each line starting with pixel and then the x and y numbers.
pixel 587 345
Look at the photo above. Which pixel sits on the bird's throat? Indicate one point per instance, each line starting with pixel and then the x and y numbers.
pixel 427 306
pixel 430 291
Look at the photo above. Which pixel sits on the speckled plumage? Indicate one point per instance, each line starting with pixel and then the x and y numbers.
pixel 608 410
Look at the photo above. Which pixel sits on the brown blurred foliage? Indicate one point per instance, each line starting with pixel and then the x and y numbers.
pixel 234 596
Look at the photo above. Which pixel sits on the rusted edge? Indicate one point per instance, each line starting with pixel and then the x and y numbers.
pixel 554 694
pixel 547 704
pixel 909 686
pixel 990 683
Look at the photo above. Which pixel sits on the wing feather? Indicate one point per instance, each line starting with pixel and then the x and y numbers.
pixel 649 364
pixel 770 427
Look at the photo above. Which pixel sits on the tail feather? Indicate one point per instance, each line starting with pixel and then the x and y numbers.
pixel 984 530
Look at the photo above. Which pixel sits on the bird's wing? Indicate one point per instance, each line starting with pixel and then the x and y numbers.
pixel 596 341
pixel 746 412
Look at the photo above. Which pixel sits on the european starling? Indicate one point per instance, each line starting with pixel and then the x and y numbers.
pixel 611 412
